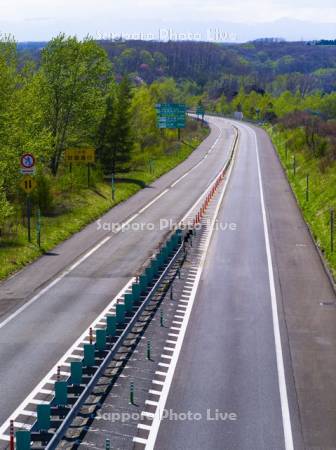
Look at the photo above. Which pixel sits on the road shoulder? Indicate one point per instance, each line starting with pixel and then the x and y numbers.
pixel 19 288
pixel 305 303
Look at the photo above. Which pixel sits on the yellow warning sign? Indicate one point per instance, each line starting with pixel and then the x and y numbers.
pixel 80 155
pixel 28 184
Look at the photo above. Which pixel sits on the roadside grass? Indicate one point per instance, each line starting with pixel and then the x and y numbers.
pixel 74 210
pixel 322 194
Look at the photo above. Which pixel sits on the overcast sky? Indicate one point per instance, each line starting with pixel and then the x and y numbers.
pixel 42 19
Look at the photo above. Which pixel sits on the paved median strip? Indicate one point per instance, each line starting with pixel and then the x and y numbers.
pixel 189 294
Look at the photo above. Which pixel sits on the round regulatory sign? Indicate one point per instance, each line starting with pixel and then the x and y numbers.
pixel 27 161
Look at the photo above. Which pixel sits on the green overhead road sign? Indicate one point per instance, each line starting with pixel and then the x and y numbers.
pixel 171 123
pixel 171 107
pixel 171 115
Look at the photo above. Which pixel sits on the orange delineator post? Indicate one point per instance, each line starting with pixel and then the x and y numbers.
pixel 207 200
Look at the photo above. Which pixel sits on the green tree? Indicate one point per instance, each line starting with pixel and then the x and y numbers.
pixel 127 60
pixel 165 91
pixel 143 118
pixel 146 58
pixel 124 136
pixel 74 80
pixel 5 207
pixel 115 140
pixel 8 84
pixel 160 60
pixel 106 149
pixel 8 99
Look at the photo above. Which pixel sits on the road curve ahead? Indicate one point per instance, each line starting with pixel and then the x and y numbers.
pixel 257 363
pixel 46 307
pixel 246 378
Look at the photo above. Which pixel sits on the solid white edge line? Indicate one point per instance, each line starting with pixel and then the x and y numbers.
pixel 55 281
pixel 170 373
pixel 100 244
pixel 47 378
pixel 276 324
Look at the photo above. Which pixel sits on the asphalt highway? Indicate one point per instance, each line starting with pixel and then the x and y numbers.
pixel 255 368
pixel 44 309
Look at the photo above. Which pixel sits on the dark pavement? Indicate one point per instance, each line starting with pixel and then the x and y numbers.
pixel 228 360
pixel 33 341
pixel 230 366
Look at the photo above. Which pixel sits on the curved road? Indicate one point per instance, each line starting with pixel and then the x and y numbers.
pixel 48 305
pixel 258 348
pixel 260 342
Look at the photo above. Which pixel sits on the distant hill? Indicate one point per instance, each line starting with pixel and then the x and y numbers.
pixel 325 42
pixel 261 65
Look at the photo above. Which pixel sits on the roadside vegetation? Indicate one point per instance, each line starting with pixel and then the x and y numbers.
pixel 71 98
pixel 306 146
pixel 102 94
pixel 302 123
pixel 267 107
pixel 74 205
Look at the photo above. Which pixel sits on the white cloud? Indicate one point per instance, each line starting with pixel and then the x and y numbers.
pixel 40 19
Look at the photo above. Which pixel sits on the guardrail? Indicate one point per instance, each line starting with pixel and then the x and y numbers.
pixel 149 282
pixel 146 286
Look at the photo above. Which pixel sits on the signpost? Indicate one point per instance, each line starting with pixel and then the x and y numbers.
pixel 200 111
pixel 81 156
pixel 28 184
pixel 171 116
pixel 27 163
pixel 113 187
pixel 332 219
pixel 38 227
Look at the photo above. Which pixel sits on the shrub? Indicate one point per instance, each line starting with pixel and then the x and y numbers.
pixel 5 208
pixel 42 196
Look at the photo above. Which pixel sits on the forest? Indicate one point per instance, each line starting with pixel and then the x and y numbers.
pixel 290 83
pixel 261 65
pixel 102 94
pixel 267 80
pixel 71 97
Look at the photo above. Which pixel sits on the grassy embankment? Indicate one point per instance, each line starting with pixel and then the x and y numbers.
pixel 75 206
pixel 322 193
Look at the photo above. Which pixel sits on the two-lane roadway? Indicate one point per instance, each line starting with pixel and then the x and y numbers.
pixel 256 364
pixel 47 306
